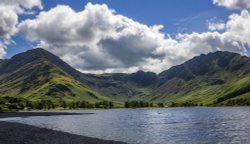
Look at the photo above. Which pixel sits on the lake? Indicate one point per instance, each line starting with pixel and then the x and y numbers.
pixel 155 126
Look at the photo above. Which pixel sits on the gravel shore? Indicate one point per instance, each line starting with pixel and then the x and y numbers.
pixel 27 114
pixel 15 133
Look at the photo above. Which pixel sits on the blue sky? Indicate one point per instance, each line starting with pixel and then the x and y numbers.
pixel 125 36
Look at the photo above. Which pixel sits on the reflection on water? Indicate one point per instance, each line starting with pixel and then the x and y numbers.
pixel 10 119
pixel 156 126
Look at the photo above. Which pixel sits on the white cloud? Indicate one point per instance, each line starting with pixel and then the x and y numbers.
pixel 97 39
pixel 238 27
pixel 9 10
pixel 215 26
pixel 8 20
pixel 233 4
pixel 94 39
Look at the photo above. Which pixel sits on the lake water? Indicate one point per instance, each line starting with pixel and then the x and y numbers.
pixel 223 125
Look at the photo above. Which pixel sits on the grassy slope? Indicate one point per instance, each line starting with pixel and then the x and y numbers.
pixel 198 91
pixel 43 80
pixel 209 94
pixel 40 79
pixel 119 90
pixel 39 87
pixel 214 79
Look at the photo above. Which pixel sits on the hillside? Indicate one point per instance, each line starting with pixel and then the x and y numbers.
pixel 214 79
pixel 38 74
pixel 121 86
pixel 209 79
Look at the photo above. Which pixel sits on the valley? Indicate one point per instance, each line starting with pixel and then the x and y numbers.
pixel 214 79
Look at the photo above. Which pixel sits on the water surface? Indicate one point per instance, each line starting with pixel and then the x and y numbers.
pixel 155 126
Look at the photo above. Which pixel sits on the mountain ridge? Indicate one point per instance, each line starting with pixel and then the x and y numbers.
pixel 212 79
pixel 38 74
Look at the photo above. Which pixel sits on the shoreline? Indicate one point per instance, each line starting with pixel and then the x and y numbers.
pixel 51 112
pixel 17 133
pixel 44 113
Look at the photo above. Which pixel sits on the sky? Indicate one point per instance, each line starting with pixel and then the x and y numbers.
pixel 104 36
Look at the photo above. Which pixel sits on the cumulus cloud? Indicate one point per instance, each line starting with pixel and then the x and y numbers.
pixel 233 4
pixel 238 27
pixel 97 39
pixel 215 26
pixel 94 39
pixel 9 10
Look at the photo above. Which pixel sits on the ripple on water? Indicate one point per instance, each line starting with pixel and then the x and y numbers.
pixel 155 126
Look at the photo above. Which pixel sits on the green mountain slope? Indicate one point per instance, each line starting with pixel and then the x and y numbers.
pixel 208 79
pixel 37 74
pixel 121 86
pixel 220 78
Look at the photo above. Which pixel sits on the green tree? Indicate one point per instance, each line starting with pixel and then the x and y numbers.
pixel 173 104
pixel 141 104
pixel 63 104
pixel 126 104
pixel 83 104
pixel 2 100
pixel 160 104
pixel 72 105
pixel 39 105
pixel 13 106
pixel 29 104
pixel 90 105
pixel 111 104
pixel 151 105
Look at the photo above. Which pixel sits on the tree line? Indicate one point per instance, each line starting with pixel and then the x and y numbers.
pixel 15 103
pixel 141 104
pixel 185 104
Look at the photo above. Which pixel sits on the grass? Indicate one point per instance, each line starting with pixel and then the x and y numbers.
pixel 40 79
pixel 45 77
pixel 208 94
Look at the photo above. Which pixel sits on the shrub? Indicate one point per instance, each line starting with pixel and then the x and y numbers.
pixel 84 104
pixel 13 106
pixel 29 104
pixel 137 104
pixel 183 104
pixel 1 108
pixel 63 104
pixel 104 104
pixel 2 100
pixel 160 104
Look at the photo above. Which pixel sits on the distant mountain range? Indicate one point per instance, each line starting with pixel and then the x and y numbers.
pixel 217 78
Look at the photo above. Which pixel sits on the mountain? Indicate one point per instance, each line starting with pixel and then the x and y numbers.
pixel 121 86
pixel 38 74
pixel 217 78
